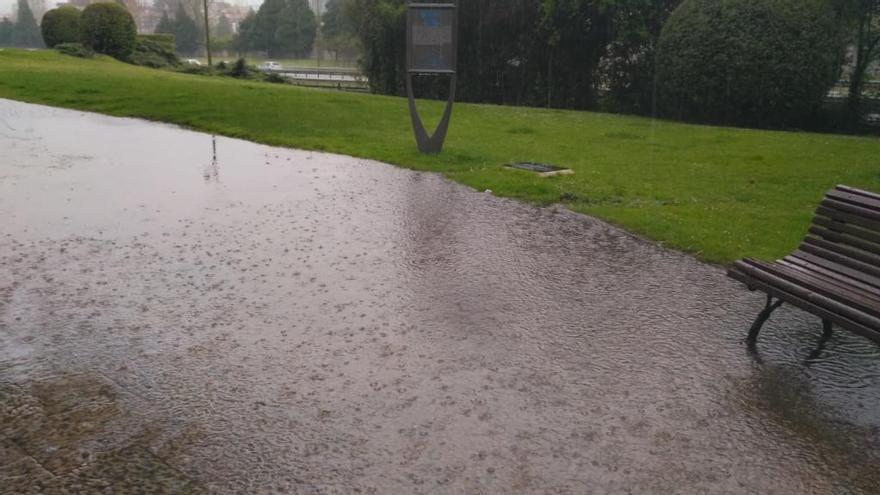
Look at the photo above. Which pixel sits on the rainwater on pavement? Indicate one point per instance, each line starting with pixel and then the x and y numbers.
pixel 181 313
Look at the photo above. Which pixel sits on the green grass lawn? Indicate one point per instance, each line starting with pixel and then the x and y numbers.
pixel 720 193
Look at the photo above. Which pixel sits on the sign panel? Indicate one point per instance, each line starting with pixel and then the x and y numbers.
pixel 431 38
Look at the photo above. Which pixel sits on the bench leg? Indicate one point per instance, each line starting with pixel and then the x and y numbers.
pixel 769 308
pixel 827 332
pixel 827 329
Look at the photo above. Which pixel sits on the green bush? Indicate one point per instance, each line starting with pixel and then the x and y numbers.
pixel 109 29
pixel 75 50
pixel 199 70
pixel 60 25
pixel 762 63
pixel 242 70
pixel 154 50
pixel 163 40
pixel 276 78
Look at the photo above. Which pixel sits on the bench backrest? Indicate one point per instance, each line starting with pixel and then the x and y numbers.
pixel 846 231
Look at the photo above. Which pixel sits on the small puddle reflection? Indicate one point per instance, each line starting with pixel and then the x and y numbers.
pixel 212 171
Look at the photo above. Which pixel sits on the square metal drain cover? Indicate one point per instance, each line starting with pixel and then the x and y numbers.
pixel 541 169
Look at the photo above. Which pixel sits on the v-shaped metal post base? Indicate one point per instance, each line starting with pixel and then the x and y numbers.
pixel 434 143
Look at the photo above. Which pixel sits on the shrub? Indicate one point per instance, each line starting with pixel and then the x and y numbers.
pixel 164 41
pixel 75 50
pixel 154 50
pixel 242 70
pixel 60 25
pixel 764 63
pixel 200 70
pixel 109 29
pixel 276 78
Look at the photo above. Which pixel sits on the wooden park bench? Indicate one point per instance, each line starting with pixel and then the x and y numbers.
pixel 834 274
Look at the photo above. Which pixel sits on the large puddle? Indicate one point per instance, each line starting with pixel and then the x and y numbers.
pixel 182 313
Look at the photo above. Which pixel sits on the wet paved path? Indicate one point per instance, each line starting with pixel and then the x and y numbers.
pixel 189 315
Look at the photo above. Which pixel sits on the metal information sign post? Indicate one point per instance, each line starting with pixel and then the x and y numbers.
pixel 431 48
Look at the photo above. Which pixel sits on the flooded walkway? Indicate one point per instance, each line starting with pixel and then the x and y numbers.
pixel 184 314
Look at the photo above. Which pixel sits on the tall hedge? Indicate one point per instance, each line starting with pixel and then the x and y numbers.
pixel 757 63
pixel 60 25
pixel 109 29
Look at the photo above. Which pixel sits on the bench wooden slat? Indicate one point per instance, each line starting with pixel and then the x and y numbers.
pixel 753 270
pixel 851 208
pixel 860 192
pixel 812 282
pixel 825 314
pixel 842 216
pixel 849 240
pixel 820 252
pixel 844 250
pixel 848 228
pixel 843 270
pixel 855 199
pixel 831 276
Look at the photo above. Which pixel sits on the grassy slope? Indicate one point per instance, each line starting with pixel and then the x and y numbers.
pixel 718 192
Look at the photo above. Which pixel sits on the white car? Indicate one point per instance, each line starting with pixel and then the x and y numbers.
pixel 269 65
pixel 192 61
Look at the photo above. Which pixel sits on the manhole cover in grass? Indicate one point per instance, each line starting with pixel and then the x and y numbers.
pixel 541 169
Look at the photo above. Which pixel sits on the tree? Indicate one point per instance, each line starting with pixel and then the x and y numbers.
pixel 333 19
pixel 186 32
pixel 381 30
pixel 61 25
pixel 6 28
pixel 224 27
pixel 337 30
pixel 748 63
pixel 524 52
pixel 244 39
pixel 626 70
pixel 108 28
pixel 572 36
pixel 265 25
pixel 184 28
pixel 166 25
pixel 281 28
pixel 866 44
pixel 296 31
pixel 26 33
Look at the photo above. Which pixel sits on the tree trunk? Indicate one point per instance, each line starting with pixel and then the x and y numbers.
pixel 207 35
pixel 549 79
pixel 854 100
